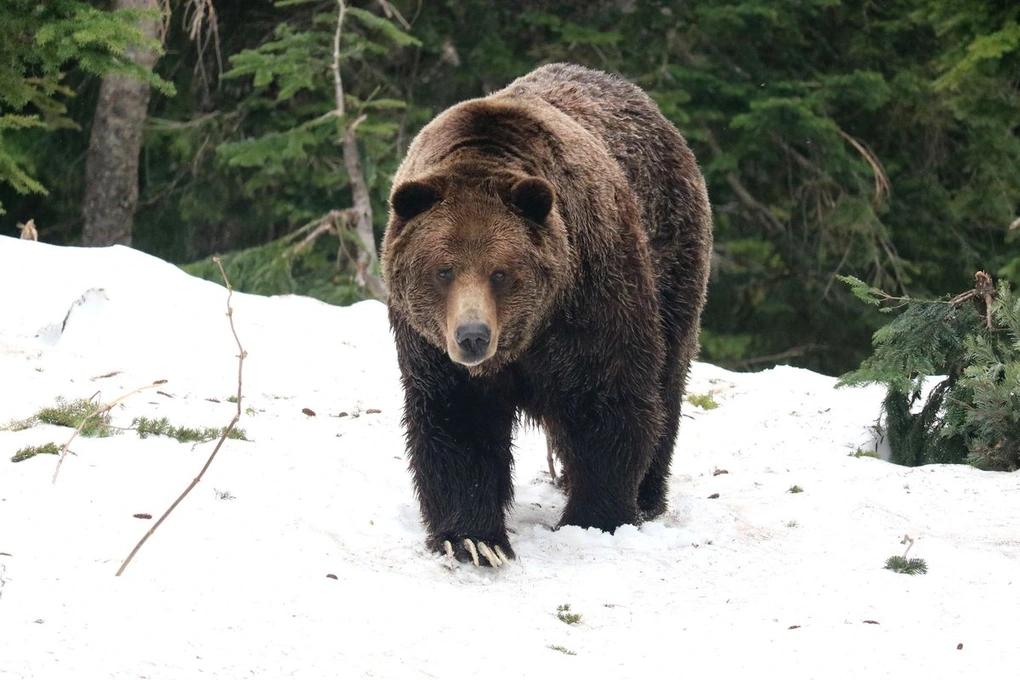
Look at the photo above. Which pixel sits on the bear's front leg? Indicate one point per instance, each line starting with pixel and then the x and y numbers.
pixel 458 432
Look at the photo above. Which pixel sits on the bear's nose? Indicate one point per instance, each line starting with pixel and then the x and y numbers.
pixel 473 338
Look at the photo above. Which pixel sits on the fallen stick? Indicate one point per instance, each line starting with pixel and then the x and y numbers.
pixel 226 431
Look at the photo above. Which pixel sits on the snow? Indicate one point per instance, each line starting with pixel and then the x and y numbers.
pixel 756 582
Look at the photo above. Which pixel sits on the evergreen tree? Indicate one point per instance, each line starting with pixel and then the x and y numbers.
pixel 306 120
pixel 877 140
pixel 38 42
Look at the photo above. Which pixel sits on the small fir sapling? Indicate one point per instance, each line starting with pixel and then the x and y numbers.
pixel 969 347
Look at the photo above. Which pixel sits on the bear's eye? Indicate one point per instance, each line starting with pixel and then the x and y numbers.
pixel 497 277
pixel 445 275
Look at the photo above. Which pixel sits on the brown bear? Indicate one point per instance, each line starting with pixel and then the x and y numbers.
pixel 547 255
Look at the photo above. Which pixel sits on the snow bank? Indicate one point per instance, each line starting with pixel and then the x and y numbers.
pixel 300 554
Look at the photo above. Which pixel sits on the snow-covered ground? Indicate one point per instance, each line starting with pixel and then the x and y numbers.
pixel 301 553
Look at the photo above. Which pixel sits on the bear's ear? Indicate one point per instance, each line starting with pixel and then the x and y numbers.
pixel 411 199
pixel 533 196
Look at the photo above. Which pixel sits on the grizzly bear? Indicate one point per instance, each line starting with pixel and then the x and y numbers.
pixel 547 255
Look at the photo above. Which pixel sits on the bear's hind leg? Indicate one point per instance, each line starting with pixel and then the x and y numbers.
pixel 606 452
pixel 652 495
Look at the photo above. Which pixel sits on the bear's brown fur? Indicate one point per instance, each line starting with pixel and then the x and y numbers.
pixel 547 254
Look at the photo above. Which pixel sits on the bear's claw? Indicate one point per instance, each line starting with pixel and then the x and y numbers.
pixel 494 555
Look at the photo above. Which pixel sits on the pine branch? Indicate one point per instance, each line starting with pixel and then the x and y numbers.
pixel 871 295
pixel 100 412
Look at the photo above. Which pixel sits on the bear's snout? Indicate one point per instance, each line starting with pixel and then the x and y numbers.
pixel 472 321
pixel 473 339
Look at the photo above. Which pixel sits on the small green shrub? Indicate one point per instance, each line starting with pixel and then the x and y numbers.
pixel 795 489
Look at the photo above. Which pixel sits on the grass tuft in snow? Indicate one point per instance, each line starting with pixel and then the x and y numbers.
pixel 561 649
pixel 564 614
pixel 901 565
pixel 861 453
pixel 146 427
pixel 705 401
pixel 30 451
pixel 795 489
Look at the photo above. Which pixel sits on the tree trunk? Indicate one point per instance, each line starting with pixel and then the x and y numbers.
pixel 367 264
pixel 365 269
pixel 111 170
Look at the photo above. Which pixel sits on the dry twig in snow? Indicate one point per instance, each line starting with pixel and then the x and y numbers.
pixel 226 431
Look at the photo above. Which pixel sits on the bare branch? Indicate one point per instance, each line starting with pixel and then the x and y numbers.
pixel 166 125
pixel 391 12
pixel 882 185
pixel 330 223
pixel 800 158
pixel 836 271
pixel 201 23
pixel 241 354
pixel 28 231
pixel 741 191
pixel 983 294
pixel 338 84
pixel 751 202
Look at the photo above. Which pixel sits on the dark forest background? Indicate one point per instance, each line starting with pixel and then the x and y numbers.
pixel 876 139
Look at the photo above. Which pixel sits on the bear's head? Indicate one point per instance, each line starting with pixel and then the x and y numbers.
pixel 474 261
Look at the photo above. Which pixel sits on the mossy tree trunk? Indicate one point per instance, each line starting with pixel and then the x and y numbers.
pixel 111 170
